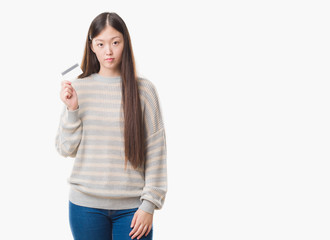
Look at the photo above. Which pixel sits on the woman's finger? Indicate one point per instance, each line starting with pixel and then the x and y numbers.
pixel 133 220
pixel 135 228
pixel 149 229
pixel 68 90
pixel 67 95
pixel 138 232
pixel 143 232
pixel 65 82
pixel 68 87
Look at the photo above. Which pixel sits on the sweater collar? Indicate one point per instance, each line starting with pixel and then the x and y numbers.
pixel 100 78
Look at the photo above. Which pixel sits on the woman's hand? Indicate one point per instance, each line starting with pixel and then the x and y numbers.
pixel 68 95
pixel 141 224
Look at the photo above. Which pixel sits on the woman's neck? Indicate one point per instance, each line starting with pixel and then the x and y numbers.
pixel 109 73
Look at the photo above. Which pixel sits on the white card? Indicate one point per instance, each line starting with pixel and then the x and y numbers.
pixel 72 72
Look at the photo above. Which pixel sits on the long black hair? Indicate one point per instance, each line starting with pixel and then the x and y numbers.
pixel 134 134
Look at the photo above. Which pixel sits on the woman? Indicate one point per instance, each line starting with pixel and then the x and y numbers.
pixel 112 125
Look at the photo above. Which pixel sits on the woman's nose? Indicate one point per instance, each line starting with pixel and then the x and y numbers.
pixel 108 49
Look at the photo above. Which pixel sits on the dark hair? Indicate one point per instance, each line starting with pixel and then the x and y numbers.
pixel 134 134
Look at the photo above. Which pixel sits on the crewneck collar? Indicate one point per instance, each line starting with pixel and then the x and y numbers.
pixel 100 78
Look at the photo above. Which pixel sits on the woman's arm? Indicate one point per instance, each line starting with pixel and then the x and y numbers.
pixel 155 188
pixel 154 191
pixel 155 168
pixel 69 133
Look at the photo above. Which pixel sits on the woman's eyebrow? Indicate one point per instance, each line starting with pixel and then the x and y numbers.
pixel 110 39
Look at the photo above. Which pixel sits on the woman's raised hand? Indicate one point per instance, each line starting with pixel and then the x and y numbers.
pixel 68 95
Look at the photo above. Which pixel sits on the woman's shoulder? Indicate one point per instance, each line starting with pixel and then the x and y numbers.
pixel 146 86
pixel 77 82
pixel 148 91
pixel 90 77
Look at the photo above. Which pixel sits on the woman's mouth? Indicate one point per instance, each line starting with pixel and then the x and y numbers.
pixel 109 59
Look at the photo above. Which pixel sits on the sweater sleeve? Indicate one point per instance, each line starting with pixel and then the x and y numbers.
pixel 69 133
pixel 155 168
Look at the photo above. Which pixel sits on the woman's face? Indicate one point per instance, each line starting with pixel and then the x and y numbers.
pixel 108 47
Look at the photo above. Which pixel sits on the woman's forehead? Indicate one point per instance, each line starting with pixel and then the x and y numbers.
pixel 108 33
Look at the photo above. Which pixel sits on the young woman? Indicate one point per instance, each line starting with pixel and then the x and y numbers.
pixel 112 125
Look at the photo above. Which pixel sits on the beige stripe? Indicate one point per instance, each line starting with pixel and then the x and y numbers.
pixel 143 80
pixel 149 110
pixel 96 100
pixel 98 92
pixel 154 192
pixel 160 148
pixel 156 175
pixel 67 124
pixel 99 109
pixel 104 128
pixel 93 83
pixel 73 138
pixel 163 166
pixel 157 158
pixel 100 156
pixel 61 145
pixel 158 184
pixel 151 95
pixel 112 192
pixel 108 165
pixel 152 143
pixel 153 101
pixel 151 198
pixel 131 184
pixel 114 174
pixel 73 148
pixel 101 147
pixel 103 118
pixel 62 148
pixel 70 130
pixel 96 137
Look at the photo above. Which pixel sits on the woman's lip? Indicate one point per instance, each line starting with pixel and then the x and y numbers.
pixel 109 59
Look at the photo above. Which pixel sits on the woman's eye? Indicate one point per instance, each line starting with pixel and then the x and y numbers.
pixel 115 43
pixel 99 44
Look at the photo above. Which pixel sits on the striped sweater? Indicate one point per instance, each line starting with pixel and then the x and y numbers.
pixel 93 135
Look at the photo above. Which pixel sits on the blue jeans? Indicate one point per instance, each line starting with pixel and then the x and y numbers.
pixel 101 224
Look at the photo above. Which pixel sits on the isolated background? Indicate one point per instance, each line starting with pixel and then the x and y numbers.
pixel 244 90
